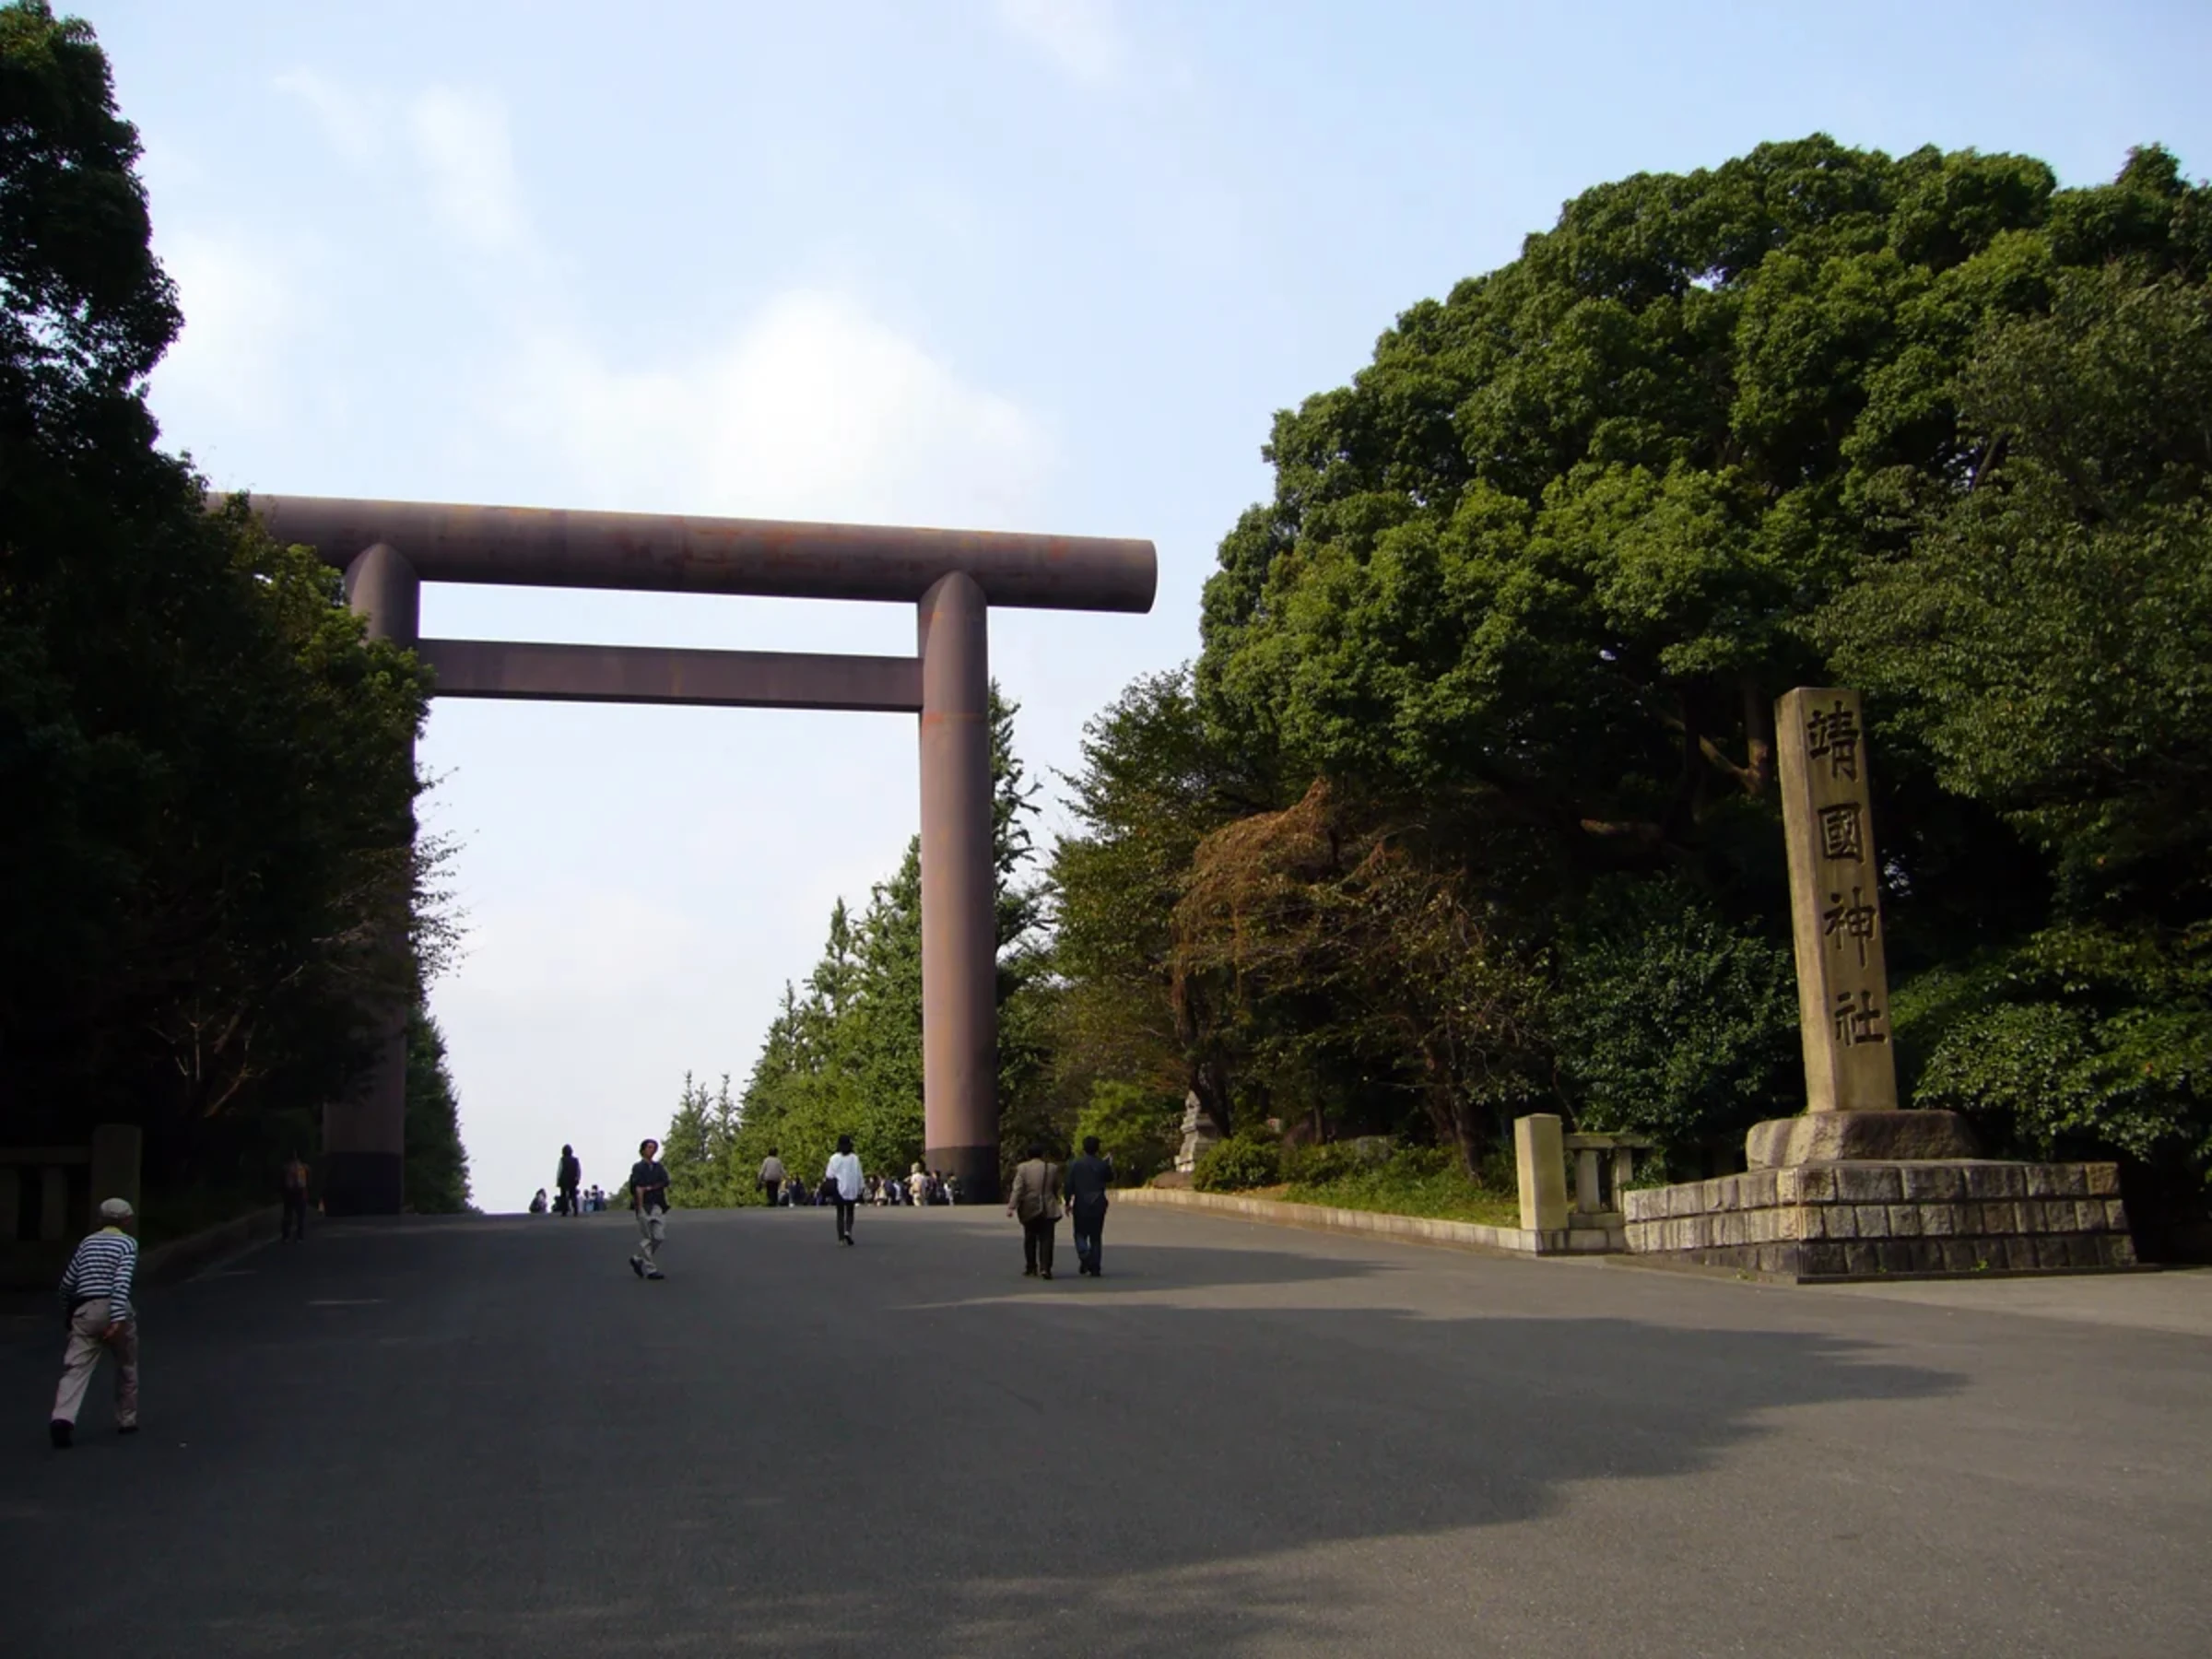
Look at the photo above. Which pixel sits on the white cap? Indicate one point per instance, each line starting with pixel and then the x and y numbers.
pixel 115 1210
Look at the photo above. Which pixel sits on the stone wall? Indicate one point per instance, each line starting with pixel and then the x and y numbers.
pixel 1864 1219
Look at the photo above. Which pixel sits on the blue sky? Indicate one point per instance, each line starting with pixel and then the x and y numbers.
pixel 1041 265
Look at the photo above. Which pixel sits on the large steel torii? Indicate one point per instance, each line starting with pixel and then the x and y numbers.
pixel 389 548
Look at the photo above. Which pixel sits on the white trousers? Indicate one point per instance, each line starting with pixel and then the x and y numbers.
pixel 652 1229
pixel 89 1338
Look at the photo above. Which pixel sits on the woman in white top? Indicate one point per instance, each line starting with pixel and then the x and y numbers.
pixel 844 1176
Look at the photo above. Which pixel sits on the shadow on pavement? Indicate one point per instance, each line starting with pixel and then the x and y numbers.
pixel 438 1441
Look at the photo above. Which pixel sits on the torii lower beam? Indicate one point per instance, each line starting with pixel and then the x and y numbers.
pixel 389 548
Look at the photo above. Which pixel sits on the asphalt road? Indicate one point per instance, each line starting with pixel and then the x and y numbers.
pixel 485 1437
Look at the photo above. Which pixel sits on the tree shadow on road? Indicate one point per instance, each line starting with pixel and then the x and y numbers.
pixel 819 1466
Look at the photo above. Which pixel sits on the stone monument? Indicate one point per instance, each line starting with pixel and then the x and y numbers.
pixel 1853 1186
pixel 1199 1132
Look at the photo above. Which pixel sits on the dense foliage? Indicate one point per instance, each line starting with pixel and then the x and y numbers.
pixel 207 836
pixel 1467 806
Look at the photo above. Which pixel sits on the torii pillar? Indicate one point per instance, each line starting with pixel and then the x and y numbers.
pixel 389 548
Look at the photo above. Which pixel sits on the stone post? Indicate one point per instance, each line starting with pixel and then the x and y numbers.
pixel 116 1155
pixel 364 1134
pixel 1842 982
pixel 1540 1161
pixel 1835 902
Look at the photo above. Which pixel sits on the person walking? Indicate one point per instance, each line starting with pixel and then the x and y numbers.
pixel 1035 1201
pixel 1087 1178
pixel 649 1201
pixel 842 1178
pixel 295 1200
pixel 567 1179
pixel 95 1289
pixel 772 1179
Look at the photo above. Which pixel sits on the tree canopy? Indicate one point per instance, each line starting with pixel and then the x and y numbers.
pixel 1513 624
pixel 209 821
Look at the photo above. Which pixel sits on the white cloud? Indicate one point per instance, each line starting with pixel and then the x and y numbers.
pixel 242 307
pixel 460 139
pixel 351 121
pixel 1083 37
pixel 812 409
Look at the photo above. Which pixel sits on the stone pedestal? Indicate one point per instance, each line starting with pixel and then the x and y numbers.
pixel 1870 1219
pixel 1883 1136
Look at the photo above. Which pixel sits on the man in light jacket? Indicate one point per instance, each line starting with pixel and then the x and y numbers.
pixel 773 1177
pixel 844 1178
pixel 96 1288
pixel 1035 1200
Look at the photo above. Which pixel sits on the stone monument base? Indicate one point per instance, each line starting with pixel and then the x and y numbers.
pixel 1876 1219
pixel 1879 1136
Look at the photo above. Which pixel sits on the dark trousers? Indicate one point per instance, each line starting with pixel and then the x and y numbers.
pixel 568 1202
pixel 845 1206
pixel 295 1214
pixel 773 1192
pixel 1091 1221
pixel 1037 1243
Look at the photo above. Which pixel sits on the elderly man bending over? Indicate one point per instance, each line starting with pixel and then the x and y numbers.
pixel 96 1287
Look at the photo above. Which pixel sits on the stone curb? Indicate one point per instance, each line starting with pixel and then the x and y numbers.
pixel 179 1259
pixel 1462 1235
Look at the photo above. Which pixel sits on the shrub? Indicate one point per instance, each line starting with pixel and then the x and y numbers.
pixel 1320 1162
pixel 1243 1161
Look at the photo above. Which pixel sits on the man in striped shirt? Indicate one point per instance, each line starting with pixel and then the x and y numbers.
pixel 97 1289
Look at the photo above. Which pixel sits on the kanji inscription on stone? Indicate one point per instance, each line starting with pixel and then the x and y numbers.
pixel 1835 902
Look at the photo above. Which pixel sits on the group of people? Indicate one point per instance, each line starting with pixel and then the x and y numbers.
pixel 1042 1193
pixel 96 1287
pixel 563 1204
pixel 779 1188
pixel 570 1197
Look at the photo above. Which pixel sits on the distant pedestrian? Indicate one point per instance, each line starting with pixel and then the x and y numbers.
pixel 648 1199
pixel 917 1186
pixel 771 1178
pixel 567 1178
pixel 537 1205
pixel 1035 1201
pixel 1087 1178
pixel 96 1288
pixel 842 1179
pixel 295 1199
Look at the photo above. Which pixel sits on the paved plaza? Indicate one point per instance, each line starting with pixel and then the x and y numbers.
pixel 485 1437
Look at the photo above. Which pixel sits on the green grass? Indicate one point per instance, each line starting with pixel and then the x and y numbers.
pixel 1444 1196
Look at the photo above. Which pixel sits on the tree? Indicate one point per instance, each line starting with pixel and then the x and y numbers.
pixel 1527 587
pixel 210 808
pixel 437 1163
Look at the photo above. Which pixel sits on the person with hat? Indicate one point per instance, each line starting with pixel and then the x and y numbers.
pixel 95 1289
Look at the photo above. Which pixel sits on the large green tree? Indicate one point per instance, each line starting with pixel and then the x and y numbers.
pixel 208 805
pixel 1528 585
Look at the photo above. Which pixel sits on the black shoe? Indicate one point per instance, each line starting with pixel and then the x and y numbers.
pixel 126 1427
pixel 637 1266
pixel 1028 1272
pixel 1047 1273
pixel 62 1433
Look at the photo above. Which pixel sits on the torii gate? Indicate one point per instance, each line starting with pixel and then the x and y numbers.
pixel 389 548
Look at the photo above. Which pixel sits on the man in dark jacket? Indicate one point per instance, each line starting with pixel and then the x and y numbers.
pixel 1087 1178
pixel 648 1199
pixel 568 1179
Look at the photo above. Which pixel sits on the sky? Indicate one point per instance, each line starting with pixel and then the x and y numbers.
pixel 1032 264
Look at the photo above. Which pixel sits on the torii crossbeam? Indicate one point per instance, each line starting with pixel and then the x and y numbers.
pixel 389 548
